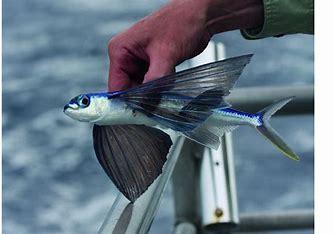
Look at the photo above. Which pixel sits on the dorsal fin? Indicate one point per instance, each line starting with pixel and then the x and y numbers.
pixel 131 155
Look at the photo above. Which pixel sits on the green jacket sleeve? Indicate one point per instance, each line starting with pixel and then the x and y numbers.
pixel 284 17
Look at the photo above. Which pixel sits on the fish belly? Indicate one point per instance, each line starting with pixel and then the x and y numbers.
pixel 126 116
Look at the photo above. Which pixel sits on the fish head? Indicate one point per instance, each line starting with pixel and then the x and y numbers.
pixel 87 107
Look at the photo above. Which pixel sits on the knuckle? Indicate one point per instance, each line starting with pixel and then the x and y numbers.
pixel 120 52
pixel 112 46
pixel 117 50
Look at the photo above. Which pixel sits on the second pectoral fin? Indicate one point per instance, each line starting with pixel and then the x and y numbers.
pixel 132 155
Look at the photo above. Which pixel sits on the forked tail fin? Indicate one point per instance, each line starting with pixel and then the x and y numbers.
pixel 269 133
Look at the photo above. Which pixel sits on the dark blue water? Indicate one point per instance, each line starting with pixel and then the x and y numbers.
pixel 53 50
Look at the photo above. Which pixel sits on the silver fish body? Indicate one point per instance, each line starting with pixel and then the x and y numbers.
pixel 104 111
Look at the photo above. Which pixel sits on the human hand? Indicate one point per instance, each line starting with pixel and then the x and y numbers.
pixel 180 30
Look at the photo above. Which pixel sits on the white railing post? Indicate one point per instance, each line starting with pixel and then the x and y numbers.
pixel 204 185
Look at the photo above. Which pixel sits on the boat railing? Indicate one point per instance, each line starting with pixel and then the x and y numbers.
pixel 204 186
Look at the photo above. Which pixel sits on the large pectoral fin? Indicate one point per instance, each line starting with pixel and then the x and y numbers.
pixel 202 87
pixel 131 155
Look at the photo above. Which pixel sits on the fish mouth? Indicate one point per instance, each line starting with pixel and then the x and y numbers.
pixel 68 107
pixel 65 108
pixel 70 110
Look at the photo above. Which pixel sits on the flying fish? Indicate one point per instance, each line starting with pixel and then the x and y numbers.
pixel 130 133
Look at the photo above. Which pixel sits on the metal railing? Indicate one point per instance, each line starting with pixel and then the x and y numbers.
pixel 213 206
pixel 189 214
pixel 201 206
pixel 274 221
pixel 254 98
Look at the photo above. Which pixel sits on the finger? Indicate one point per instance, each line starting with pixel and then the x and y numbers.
pixel 159 67
pixel 118 78
pixel 127 69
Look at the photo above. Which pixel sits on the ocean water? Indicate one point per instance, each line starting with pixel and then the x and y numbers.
pixel 53 50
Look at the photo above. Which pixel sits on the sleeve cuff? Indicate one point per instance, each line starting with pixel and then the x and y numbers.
pixel 269 21
pixel 284 17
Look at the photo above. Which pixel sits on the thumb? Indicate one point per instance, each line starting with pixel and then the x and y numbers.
pixel 159 67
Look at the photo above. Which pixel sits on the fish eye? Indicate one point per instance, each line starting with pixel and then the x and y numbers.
pixel 84 101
